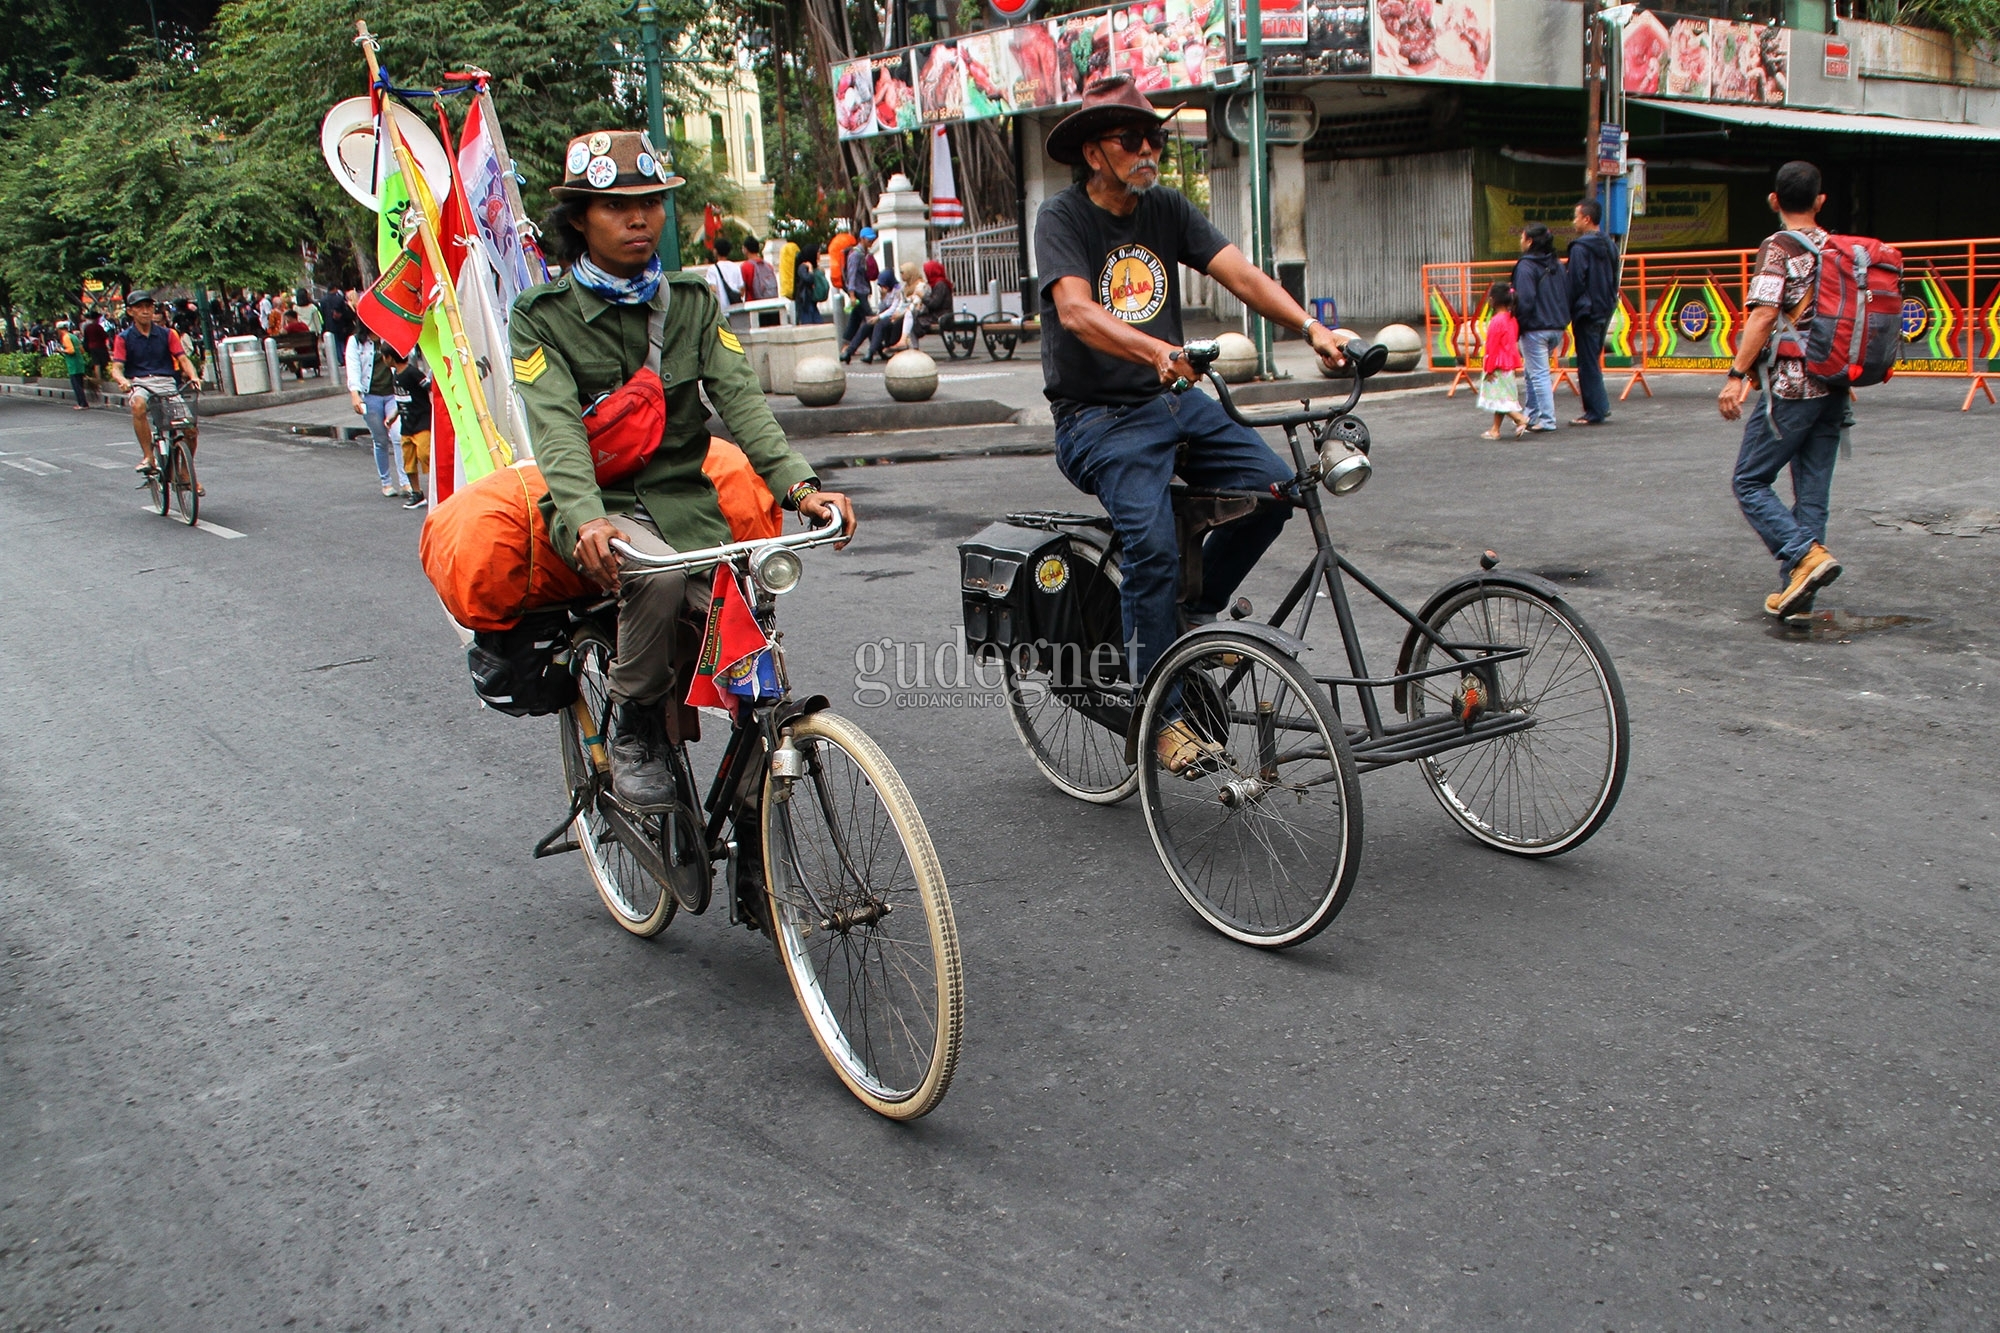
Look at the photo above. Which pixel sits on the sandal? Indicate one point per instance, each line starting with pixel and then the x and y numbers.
pixel 1520 432
pixel 1489 434
pixel 1184 752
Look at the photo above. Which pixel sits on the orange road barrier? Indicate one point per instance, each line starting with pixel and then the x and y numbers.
pixel 1680 313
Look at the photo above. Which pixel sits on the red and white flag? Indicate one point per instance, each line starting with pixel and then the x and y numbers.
pixel 946 210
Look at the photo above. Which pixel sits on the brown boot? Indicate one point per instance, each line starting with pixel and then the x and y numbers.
pixel 1815 569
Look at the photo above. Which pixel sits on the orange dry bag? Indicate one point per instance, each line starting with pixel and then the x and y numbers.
pixel 487 552
pixel 747 502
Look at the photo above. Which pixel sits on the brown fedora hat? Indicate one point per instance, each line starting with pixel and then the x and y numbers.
pixel 612 162
pixel 1107 104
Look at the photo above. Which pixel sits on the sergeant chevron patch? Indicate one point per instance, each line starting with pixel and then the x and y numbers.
pixel 728 338
pixel 528 369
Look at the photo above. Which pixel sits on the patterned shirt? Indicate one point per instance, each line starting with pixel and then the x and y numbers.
pixel 1785 276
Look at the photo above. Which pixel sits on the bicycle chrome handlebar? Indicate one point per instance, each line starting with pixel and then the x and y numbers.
pixel 710 557
pixel 1363 359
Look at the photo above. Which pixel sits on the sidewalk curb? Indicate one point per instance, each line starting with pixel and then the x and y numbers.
pixel 213 403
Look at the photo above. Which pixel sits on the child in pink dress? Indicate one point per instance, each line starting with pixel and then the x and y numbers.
pixel 1499 389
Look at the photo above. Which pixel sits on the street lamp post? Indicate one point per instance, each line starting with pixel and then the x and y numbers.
pixel 648 15
pixel 1260 180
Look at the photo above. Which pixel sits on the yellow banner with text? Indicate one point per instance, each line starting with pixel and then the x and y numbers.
pixel 1678 217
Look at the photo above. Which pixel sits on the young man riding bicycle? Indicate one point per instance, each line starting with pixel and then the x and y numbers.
pixel 584 335
pixel 1109 250
pixel 146 360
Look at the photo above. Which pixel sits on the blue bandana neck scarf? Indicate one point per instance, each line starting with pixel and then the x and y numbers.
pixel 619 291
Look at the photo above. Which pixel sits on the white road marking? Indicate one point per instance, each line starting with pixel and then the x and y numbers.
pixel 105 462
pixel 34 465
pixel 204 525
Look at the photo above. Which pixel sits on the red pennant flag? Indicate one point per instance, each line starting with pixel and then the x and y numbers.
pixel 732 635
pixel 444 448
pixel 394 307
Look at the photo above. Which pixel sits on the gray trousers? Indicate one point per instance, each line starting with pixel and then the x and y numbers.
pixel 660 619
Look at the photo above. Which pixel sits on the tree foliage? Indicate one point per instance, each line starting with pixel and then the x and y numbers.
pixel 197 158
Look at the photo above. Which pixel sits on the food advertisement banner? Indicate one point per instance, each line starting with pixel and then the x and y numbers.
pixel 1678 217
pixel 1337 42
pixel 1164 45
pixel 1710 60
pixel 1434 39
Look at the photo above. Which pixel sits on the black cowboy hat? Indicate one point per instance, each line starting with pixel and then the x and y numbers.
pixel 1107 104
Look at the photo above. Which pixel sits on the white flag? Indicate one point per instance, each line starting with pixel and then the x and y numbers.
pixel 486 196
pixel 946 211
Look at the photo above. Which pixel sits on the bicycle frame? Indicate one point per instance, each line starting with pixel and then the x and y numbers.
pixel 1376 743
pixel 757 727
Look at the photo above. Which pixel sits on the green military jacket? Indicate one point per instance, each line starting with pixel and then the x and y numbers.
pixel 570 346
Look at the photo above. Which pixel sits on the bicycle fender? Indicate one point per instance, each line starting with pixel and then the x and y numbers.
pixel 1271 636
pixel 1505 578
pixel 794 709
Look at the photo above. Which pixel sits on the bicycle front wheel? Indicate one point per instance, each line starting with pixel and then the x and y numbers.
pixel 862 919
pixel 1262 833
pixel 187 499
pixel 635 898
pixel 1545 789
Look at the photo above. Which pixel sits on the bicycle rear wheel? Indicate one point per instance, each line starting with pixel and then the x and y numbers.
pixel 862 919
pixel 187 499
pixel 1541 791
pixel 635 898
pixel 1262 838
pixel 1067 724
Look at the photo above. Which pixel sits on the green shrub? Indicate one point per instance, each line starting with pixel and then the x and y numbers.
pixel 54 367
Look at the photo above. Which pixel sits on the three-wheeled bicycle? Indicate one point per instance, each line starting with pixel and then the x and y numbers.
pixel 825 851
pixel 1501 695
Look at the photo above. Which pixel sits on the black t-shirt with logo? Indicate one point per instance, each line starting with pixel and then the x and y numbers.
pixel 1132 267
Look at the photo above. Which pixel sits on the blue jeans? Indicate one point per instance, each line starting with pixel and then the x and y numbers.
pixel 806 311
pixel 375 410
pixel 1125 457
pixel 857 327
pixel 1538 349
pixel 1804 435
pixel 1590 370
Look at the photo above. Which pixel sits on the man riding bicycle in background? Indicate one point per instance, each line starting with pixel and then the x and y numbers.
pixel 583 336
pixel 1109 250
pixel 145 360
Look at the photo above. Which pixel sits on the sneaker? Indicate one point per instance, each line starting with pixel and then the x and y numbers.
pixel 1815 569
pixel 390 492
pixel 416 500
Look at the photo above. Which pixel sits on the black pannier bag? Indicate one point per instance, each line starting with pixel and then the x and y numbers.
pixel 524 671
pixel 1031 594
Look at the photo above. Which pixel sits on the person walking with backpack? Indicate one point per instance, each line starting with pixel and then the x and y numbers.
pixel 1809 290
pixel 1541 306
pixel 809 287
pixel 1593 299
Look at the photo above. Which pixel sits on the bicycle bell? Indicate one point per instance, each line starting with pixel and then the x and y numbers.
pixel 775 569
pixel 1347 471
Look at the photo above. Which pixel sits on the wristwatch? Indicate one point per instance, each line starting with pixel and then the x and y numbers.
pixel 1736 374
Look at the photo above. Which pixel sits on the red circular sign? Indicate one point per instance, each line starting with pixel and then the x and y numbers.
pixel 1012 9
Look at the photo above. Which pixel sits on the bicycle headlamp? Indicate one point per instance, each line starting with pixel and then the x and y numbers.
pixel 1349 474
pixel 1350 471
pixel 775 569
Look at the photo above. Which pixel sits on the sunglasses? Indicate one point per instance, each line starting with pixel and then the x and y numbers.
pixel 1130 140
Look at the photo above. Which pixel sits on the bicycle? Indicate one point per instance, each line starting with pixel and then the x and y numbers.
pixel 169 474
pixel 1508 702
pixel 825 850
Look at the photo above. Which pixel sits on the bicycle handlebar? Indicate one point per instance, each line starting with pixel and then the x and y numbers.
pixel 1365 360
pixel 710 557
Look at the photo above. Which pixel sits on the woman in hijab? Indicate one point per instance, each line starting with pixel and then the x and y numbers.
pixel 936 301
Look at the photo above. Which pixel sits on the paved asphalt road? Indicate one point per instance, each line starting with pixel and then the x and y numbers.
pixel 297 1036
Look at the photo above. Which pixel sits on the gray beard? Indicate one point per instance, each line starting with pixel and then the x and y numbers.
pixel 1137 190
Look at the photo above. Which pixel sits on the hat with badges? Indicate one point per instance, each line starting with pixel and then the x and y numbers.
pixel 613 162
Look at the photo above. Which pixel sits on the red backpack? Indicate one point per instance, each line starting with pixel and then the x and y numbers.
pixel 1849 329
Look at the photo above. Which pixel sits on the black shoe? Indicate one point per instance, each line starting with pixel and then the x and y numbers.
pixel 641 775
pixel 416 500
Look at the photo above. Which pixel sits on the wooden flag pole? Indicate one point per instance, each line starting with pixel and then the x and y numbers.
pixel 496 444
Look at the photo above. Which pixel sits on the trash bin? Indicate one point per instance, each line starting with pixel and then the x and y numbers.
pixel 246 364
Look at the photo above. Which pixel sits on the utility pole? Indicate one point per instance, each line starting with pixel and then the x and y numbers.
pixel 648 15
pixel 1260 181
